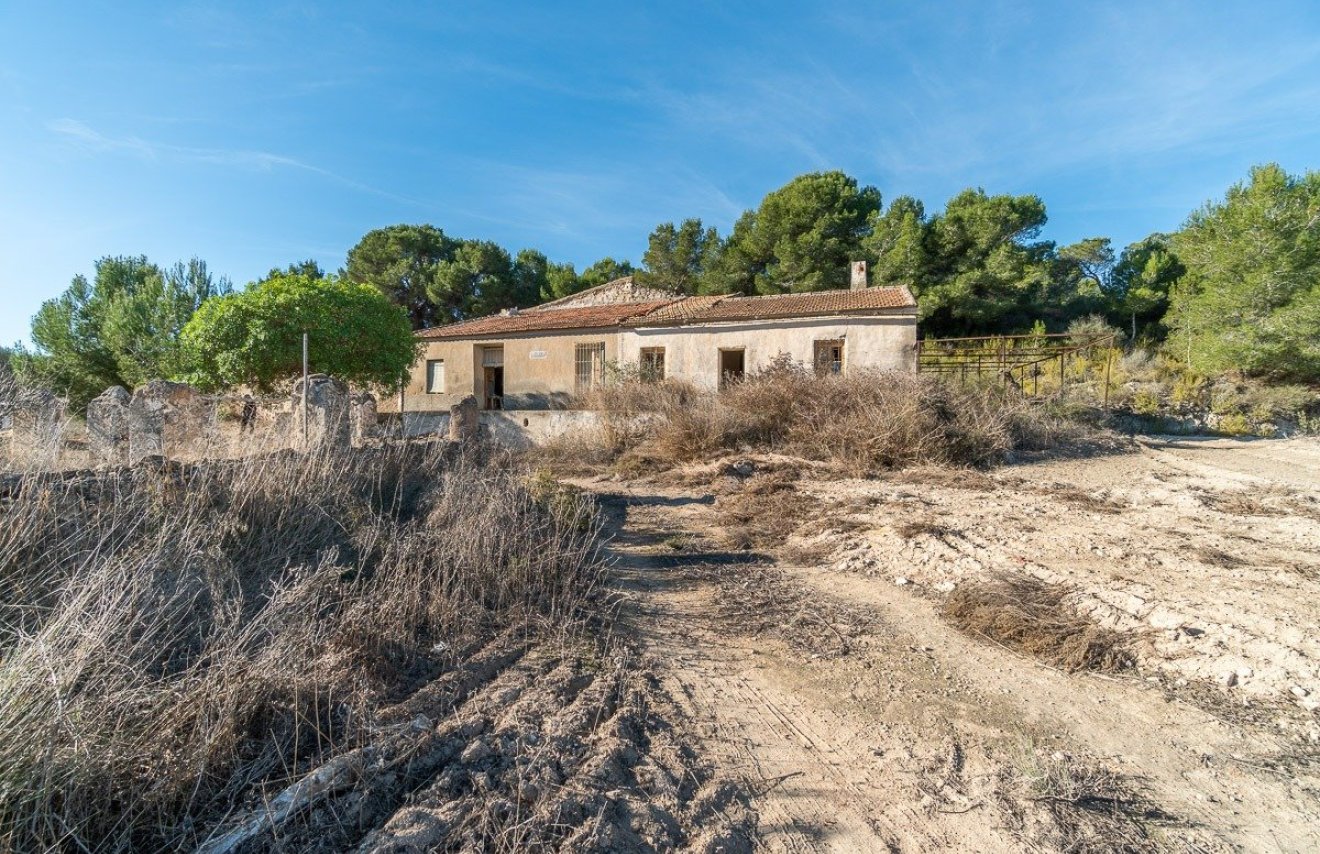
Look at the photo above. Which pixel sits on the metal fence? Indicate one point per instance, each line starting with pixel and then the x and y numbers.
pixel 1017 361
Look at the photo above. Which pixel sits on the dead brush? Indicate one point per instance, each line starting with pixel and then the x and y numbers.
pixel 173 636
pixel 925 527
pixel 861 422
pixel 1240 503
pixel 761 599
pixel 1086 806
pixel 1027 615
pixel 764 513
pixel 1081 499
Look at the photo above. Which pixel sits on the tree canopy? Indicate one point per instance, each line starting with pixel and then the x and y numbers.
pixel 1250 297
pixel 254 336
pixel 1237 287
pixel 679 258
pixel 123 327
pixel 801 238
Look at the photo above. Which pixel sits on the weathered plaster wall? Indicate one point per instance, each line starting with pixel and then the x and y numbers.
pixel 539 370
pixel 885 343
pixel 515 429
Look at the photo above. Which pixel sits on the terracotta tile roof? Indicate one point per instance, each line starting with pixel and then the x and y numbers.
pixel 676 312
pixel 778 306
pixel 587 317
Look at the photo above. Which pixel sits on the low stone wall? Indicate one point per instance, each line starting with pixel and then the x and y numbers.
pixel 176 421
pixel 514 428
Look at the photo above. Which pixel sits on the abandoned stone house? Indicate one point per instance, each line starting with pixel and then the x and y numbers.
pixel 538 358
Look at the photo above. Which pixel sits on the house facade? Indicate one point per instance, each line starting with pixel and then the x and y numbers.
pixel 539 358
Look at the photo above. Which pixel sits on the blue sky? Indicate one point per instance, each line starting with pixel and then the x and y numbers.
pixel 254 135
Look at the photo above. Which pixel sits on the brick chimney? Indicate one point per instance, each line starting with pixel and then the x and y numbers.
pixel 858 275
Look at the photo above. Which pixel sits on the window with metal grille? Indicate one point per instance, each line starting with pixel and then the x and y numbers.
pixel 589 363
pixel 829 357
pixel 653 364
pixel 435 376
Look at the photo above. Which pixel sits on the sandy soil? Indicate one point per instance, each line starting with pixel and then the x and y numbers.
pixel 859 719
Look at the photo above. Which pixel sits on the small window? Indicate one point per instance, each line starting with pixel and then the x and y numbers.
pixel 829 357
pixel 589 365
pixel 653 364
pixel 435 376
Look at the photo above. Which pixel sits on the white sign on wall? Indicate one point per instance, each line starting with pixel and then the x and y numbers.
pixel 536 354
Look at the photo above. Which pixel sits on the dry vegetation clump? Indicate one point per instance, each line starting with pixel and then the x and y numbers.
pixel 763 513
pixel 927 527
pixel 862 422
pixel 762 599
pixel 1079 806
pixel 172 636
pixel 1029 616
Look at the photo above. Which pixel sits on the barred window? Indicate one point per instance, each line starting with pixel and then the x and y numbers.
pixel 653 364
pixel 435 376
pixel 589 362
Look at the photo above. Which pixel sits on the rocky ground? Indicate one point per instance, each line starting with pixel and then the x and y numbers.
pixel 797 620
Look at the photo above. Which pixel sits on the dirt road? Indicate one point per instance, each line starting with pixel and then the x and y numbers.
pixel 900 733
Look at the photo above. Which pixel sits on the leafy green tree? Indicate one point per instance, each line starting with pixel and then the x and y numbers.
pixel 897 244
pixel 402 261
pixel 1081 285
pixel 307 268
pixel 561 280
pixel 604 270
pixel 677 258
pixel 986 270
pixel 801 237
pixel 1250 298
pixel 121 328
pixel 1143 277
pixel 254 336
pixel 478 280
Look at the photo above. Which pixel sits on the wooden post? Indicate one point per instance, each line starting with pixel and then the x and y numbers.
pixel 304 392
pixel 1109 360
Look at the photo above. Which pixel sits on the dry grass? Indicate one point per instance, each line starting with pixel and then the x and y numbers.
pixel 923 528
pixel 172 636
pixel 1029 616
pixel 1086 806
pixel 862 423
pixel 761 599
pixel 763 513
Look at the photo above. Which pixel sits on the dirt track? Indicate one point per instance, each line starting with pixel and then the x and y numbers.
pixel 908 735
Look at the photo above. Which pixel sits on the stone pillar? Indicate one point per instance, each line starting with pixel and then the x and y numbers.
pixel 107 426
pixel 327 412
pixel 366 421
pixel 36 426
pixel 167 419
pixel 464 419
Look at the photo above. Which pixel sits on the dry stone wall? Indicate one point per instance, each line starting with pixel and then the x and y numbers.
pixel 176 421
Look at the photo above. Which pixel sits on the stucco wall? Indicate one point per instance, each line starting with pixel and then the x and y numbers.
pixel 539 370
pixel 884 343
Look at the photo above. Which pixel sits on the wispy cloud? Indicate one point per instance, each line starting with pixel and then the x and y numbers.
pixel 81 135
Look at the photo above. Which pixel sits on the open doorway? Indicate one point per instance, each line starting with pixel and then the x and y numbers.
pixel 492 377
pixel 732 367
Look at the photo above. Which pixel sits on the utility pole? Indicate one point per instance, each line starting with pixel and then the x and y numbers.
pixel 304 392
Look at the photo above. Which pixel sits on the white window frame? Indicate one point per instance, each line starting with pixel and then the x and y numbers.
pixel 431 384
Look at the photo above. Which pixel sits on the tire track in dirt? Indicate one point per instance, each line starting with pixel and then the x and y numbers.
pixel 814 773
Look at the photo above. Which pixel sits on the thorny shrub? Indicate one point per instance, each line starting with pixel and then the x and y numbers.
pixel 173 635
